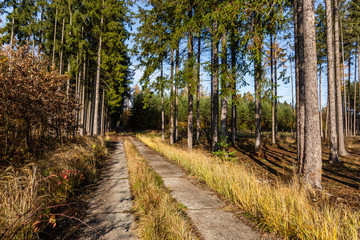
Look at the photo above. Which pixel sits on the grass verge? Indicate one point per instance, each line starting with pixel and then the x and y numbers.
pixel 31 193
pixel 284 209
pixel 158 216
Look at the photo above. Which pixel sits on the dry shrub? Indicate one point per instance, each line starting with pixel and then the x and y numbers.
pixel 284 209
pixel 158 215
pixel 29 193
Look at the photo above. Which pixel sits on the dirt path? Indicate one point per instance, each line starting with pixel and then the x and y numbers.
pixel 109 211
pixel 204 207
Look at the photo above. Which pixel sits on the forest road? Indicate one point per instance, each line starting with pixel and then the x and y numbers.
pixel 110 206
pixel 206 210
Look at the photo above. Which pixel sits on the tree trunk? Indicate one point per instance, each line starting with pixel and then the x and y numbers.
pixel 190 86
pixel 312 154
pixel 257 55
pixel 177 64
pixel 354 121
pixel 275 86
pixel 233 93
pixel 198 126
pixel 54 44
pixel 172 98
pixel 300 91
pixel 273 139
pixel 162 102
pixel 339 110
pixel 62 46
pixel 224 88
pixel 292 100
pixel 12 30
pixel 348 124
pixel 215 94
pixel 102 122
pixel 97 87
pixel 320 110
pixel 334 155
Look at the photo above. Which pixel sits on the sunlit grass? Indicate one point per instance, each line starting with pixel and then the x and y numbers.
pixel 158 215
pixel 284 209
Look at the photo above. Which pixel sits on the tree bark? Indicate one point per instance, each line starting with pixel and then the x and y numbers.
pixel 339 110
pixel 215 94
pixel 273 139
pixel 97 86
pixel 320 109
pixel 355 87
pixel 312 154
pixel 334 155
pixel 102 119
pixel 54 43
pixel 190 87
pixel 172 98
pixel 224 88
pixel 176 118
pixel 348 123
pixel 162 102
pixel 233 94
pixel 300 91
pixel 275 87
pixel 198 125
pixel 62 45
pixel 257 49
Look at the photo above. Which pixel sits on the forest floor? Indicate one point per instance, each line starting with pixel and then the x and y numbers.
pixel 278 162
pixel 341 182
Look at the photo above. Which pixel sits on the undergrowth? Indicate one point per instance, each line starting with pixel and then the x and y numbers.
pixel 287 210
pixel 30 193
pixel 158 216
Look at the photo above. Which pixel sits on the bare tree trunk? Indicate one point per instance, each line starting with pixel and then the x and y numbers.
pixel 190 86
pixel 320 110
pixel 327 119
pixel 334 155
pixel 348 124
pixel 300 90
pixel 312 154
pixel 54 44
pixel 224 88
pixel 257 49
pixel 292 100
pixel 198 126
pixel 233 94
pixel 12 30
pixel 172 98
pixel 275 87
pixel 215 94
pixel 97 87
pixel 273 139
pixel 102 124
pixel 162 102
pixel 62 45
pixel 354 121
pixel 339 120
pixel 177 64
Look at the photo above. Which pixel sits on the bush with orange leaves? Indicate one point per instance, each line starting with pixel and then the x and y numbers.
pixel 34 107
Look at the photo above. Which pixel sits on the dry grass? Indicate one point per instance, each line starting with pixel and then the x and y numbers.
pixel 284 209
pixel 158 215
pixel 29 193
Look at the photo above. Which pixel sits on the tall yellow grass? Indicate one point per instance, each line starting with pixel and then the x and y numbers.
pixel 28 192
pixel 158 215
pixel 284 209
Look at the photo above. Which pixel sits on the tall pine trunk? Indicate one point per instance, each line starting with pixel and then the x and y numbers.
pixel 273 139
pixel 348 124
pixel 172 98
pixel 233 88
pixel 300 91
pixel 339 106
pixel 257 55
pixel 62 46
pixel 312 155
pixel 320 109
pixel 95 130
pixel 54 43
pixel 190 88
pixel 215 92
pixel 176 114
pixel 355 87
pixel 334 155
pixel 224 88
pixel 275 87
pixel 198 126
pixel 162 102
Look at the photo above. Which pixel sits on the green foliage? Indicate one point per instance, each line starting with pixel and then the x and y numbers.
pixel 223 152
